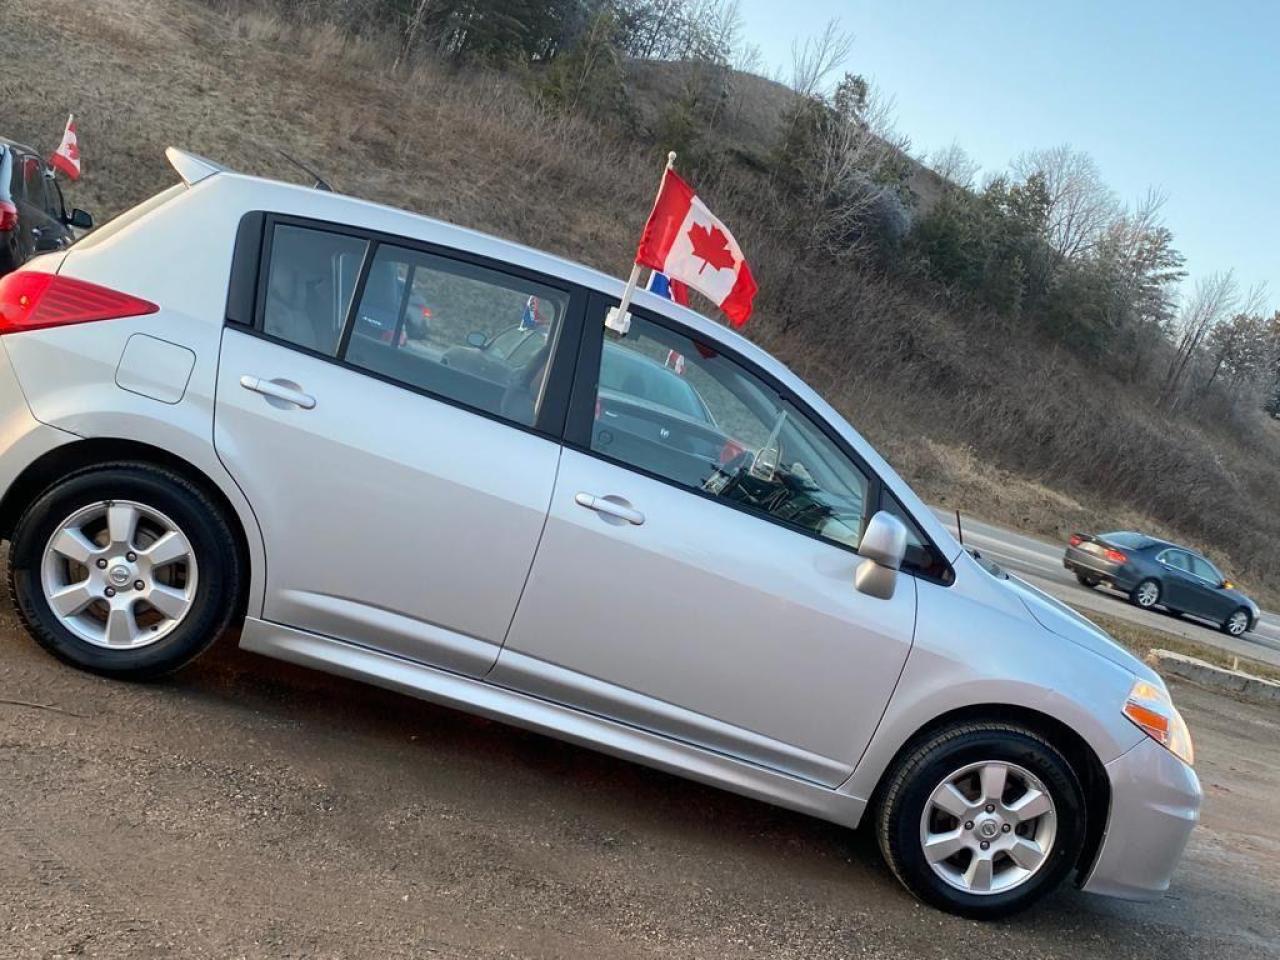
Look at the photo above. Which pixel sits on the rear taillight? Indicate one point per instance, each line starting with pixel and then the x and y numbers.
pixel 34 301
pixel 1076 540
pixel 1115 556
pixel 8 216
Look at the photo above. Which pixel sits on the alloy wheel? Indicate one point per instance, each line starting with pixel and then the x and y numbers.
pixel 119 574
pixel 1238 623
pixel 1148 593
pixel 988 828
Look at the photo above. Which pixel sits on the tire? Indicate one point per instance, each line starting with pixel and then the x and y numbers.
pixel 1229 625
pixel 199 590
pixel 1087 581
pixel 923 771
pixel 1142 595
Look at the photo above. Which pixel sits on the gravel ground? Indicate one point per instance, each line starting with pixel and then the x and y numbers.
pixel 251 809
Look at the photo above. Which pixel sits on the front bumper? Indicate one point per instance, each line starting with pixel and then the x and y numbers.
pixel 1155 803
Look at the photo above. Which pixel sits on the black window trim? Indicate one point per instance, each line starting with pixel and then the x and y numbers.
pixel 258 235
pixel 578 428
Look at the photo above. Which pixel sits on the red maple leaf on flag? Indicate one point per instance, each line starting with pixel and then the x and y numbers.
pixel 711 247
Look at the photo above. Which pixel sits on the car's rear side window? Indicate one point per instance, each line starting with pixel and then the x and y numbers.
pixel 311 279
pixel 478 337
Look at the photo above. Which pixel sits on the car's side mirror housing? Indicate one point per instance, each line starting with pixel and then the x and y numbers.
pixel 883 547
pixel 477 339
pixel 80 219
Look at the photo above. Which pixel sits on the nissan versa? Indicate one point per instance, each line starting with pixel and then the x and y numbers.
pixel 249 401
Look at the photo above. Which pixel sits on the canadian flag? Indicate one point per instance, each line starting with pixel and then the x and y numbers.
pixel 688 243
pixel 67 157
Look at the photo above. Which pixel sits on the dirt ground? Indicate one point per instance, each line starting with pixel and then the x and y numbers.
pixel 251 809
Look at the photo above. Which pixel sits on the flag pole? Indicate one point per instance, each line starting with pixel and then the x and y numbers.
pixel 618 318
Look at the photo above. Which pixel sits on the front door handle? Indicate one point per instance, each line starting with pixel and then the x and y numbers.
pixel 284 390
pixel 610 507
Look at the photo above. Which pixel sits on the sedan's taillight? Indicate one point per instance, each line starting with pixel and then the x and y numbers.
pixel 8 216
pixel 1115 556
pixel 1076 540
pixel 34 301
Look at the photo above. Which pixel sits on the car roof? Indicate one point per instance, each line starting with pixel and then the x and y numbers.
pixel 6 142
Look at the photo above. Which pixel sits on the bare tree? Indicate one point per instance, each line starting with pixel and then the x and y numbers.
pixel 1215 298
pixel 855 168
pixel 412 28
pixel 954 165
pixel 815 59
pixel 1080 204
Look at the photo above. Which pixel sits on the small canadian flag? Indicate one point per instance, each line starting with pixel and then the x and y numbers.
pixel 688 243
pixel 67 157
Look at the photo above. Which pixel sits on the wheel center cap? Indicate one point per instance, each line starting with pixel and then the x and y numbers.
pixel 119 574
pixel 988 829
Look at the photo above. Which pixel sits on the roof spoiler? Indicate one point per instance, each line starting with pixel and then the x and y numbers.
pixel 191 167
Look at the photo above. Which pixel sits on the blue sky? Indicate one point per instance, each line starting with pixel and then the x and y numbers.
pixel 1178 95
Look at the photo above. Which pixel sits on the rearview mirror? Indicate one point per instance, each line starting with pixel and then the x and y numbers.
pixel 883 547
pixel 80 219
pixel 477 339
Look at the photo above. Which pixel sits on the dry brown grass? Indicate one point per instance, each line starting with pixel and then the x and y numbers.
pixel 1141 641
pixel 978 413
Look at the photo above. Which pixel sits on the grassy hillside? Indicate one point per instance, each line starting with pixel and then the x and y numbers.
pixel 977 411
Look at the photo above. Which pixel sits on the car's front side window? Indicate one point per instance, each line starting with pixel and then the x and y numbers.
pixel 1203 569
pixel 751 446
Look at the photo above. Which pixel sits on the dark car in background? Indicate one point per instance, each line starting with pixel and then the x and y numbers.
pixel 1155 572
pixel 33 214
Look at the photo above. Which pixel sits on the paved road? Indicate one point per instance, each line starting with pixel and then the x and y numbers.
pixel 1040 563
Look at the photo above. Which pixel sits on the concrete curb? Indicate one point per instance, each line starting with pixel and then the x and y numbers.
pixel 1242 685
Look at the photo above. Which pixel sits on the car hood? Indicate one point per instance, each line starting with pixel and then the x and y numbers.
pixel 1060 620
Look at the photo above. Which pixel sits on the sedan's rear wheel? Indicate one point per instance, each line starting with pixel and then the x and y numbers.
pixel 1088 581
pixel 1146 594
pixel 982 819
pixel 127 570
pixel 1237 625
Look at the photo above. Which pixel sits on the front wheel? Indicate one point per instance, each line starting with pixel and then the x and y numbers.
pixel 1237 625
pixel 982 819
pixel 127 570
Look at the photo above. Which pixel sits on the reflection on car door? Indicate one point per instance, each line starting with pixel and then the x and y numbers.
pixel 668 608
pixel 392 519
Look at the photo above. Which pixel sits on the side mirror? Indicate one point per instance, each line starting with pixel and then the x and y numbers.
pixel 477 339
pixel 883 547
pixel 80 219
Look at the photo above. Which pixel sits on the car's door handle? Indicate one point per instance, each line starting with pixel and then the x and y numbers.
pixel 616 507
pixel 278 390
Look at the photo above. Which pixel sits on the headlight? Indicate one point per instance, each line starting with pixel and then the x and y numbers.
pixel 1151 709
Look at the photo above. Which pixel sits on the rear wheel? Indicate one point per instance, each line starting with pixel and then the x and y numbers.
pixel 126 570
pixel 982 819
pixel 1146 594
pixel 1237 625
pixel 1087 581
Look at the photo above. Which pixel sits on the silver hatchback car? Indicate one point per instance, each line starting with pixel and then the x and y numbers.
pixel 250 402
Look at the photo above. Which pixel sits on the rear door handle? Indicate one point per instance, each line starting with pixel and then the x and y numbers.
pixel 616 507
pixel 279 390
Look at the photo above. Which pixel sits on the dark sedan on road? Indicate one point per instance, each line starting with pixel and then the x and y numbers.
pixel 1158 573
